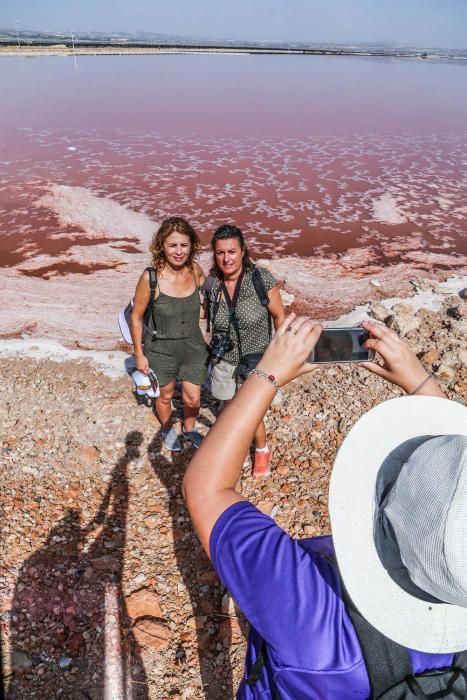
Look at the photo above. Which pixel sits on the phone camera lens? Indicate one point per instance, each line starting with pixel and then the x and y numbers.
pixel 363 337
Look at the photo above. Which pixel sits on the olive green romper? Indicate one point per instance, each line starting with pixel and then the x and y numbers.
pixel 178 350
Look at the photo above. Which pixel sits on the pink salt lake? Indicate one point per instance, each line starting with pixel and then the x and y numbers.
pixel 341 171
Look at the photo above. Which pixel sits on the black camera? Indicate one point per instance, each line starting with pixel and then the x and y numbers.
pixel 221 344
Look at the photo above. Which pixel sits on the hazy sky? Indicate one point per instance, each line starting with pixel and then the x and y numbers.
pixel 422 22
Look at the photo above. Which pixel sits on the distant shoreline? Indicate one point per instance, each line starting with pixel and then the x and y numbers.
pixel 64 49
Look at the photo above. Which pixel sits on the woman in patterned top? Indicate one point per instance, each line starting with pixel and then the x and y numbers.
pixel 250 330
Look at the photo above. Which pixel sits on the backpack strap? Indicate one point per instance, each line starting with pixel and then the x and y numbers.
pixel 387 663
pixel 150 306
pixel 209 284
pixel 262 293
pixel 460 661
pixel 255 671
pixel 207 288
pixel 258 284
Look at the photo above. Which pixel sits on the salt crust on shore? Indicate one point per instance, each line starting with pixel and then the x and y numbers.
pixel 422 299
pixel 111 363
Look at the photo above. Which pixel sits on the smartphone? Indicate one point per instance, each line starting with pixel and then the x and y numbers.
pixel 341 345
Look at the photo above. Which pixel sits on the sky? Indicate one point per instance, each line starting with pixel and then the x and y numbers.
pixel 440 23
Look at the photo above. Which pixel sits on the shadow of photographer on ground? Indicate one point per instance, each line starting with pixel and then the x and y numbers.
pixel 70 634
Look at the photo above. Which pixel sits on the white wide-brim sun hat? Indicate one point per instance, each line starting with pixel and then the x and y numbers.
pixel 437 628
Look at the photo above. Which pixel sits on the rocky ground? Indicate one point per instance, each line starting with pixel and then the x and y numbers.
pixel 105 591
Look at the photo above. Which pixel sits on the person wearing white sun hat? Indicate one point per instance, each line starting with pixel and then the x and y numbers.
pixel 378 610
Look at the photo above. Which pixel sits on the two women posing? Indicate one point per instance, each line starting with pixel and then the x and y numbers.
pixel 177 349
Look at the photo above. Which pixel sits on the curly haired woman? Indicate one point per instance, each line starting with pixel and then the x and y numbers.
pixel 178 348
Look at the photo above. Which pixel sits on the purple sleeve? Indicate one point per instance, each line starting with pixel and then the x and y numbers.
pixel 289 595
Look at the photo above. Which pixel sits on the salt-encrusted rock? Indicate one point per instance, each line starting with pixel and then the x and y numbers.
pixel 438 289
pixel 459 330
pixel 287 299
pixel 379 311
pixel 454 358
pixel 424 283
pixel 456 308
pixel 403 320
pixel 446 372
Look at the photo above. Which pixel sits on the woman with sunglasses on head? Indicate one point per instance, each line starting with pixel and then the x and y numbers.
pixel 243 304
pixel 173 345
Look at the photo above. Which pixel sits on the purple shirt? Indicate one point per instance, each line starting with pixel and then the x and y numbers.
pixel 292 597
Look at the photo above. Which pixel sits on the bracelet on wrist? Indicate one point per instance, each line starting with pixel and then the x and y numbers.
pixel 415 391
pixel 269 377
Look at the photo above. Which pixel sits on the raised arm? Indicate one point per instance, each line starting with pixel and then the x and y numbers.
pixel 142 296
pixel 400 365
pixel 210 482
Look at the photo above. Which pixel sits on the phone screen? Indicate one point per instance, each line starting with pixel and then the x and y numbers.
pixel 342 345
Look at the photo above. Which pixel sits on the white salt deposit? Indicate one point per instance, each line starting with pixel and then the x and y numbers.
pixel 387 211
pixel 109 363
pixel 423 299
pixel 98 217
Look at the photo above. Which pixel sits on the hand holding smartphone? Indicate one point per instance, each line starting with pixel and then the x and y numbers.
pixel 341 345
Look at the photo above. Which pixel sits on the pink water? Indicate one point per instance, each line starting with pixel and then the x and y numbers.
pixel 339 170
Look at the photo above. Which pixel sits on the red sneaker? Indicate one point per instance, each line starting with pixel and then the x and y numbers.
pixel 262 462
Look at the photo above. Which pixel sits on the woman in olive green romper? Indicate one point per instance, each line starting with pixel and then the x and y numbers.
pixel 178 348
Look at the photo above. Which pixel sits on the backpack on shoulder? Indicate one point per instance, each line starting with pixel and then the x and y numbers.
pixel 146 385
pixel 390 670
pixel 124 316
pixel 388 665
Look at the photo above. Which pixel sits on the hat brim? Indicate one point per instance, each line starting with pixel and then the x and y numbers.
pixel 124 325
pixel 436 628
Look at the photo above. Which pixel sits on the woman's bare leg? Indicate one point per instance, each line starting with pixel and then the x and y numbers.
pixel 191 395
pixel 164 405
pixel 260 436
